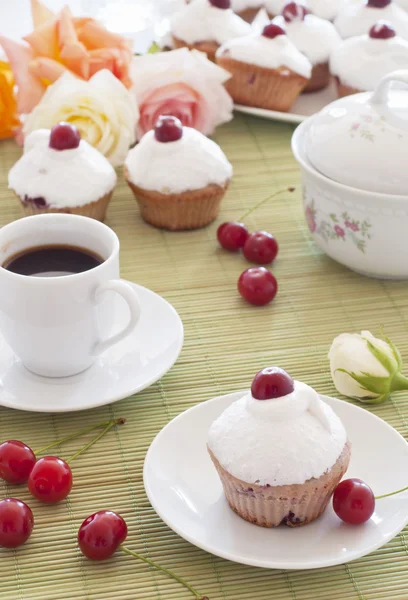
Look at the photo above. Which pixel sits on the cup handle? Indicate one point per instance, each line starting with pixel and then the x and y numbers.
pixel 129 295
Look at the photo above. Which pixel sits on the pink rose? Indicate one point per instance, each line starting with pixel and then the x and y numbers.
pixel 181 83
pixel 339 231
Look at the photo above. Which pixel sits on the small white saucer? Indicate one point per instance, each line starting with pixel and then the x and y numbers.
pixel 184 489
pixel 128 367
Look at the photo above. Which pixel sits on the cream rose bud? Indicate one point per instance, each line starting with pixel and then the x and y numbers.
pixel 103 110
pixel 365 367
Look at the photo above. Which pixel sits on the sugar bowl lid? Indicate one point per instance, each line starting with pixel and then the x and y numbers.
pixel 362 140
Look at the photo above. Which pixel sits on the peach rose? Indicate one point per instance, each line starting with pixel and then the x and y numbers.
pixel 63 44
pixel 182 83
pixel 9 123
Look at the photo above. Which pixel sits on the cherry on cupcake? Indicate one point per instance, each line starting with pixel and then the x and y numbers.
pixel 257 286
pixel 353 501
pixel 261 248
pixel 271 383
pixel 382 30
pixel 232 235
pixel 221 3
pixel 16 523
pixel 378 3
pixel 294 11
pixel 272 31
pixel 64 136
pixel 168 129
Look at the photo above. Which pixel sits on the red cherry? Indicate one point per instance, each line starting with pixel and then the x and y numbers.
pixel 294 11
pixel 101 534
pixel 378 3
pixel 272 31
pixel 16 461
pixel 16 523
pixel 221 3
pixel 272 382
pixel 64 136
pixel 50 480
pixel 258 286
pixel 168 129
pixel 261 248
pixel 232 236
pixel 353 501
pixel 382 30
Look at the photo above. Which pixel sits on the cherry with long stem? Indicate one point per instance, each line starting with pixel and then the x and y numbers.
pixel 146 560
pixel 79 434
pixel 50 480
pixel 265 200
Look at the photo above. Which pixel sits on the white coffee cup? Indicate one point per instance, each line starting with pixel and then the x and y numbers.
pixel 53 323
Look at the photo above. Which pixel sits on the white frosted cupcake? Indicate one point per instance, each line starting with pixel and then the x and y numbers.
pixel 247 9
pixel 205 25
pixel 59 172
pixel 357 18
pixel 325 9
pixel 178 176
pixel 359 63
pixel 268 71
pixel 314 37
pixel 280 452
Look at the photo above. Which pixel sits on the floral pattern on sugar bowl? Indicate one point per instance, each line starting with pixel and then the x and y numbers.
pixel 368 127
pixel 337 227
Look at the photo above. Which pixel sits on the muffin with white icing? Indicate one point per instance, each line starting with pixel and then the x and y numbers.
pixel 356 18
pixel 359 63
pixel 267 70
pixel 280 452
pixel 325 9
pixel 60 173
pixel 205 25
pixel 178 176
pixel 314 37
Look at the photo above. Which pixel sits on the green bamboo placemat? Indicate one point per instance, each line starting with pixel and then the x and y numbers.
pixel 226 342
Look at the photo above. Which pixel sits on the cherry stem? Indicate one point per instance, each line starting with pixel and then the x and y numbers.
pixel 197 595
pixel 96 439
pixel 391 493
pixel 74 436
pixel 244 216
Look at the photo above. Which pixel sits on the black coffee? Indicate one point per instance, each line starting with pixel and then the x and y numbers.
pixel 52 261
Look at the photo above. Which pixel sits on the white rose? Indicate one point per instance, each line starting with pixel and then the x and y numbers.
pixel 365 367
pixel 103 110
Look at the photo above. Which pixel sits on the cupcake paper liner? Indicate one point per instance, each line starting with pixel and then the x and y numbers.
pixel 291 505
pixel 94 210
pixel 187 210
pixel 271 89
pixel 249 14
pixel 210 48
pixel 320 78
pixel 345 90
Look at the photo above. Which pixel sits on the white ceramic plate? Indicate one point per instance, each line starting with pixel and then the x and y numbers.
pixel 128 367
pixel 305 106
pixel 184 489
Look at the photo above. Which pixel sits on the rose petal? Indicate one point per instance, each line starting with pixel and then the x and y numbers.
pixel 47 69
pixel 40 13
pixel 75 58
pixel 44 39
pixel 66 29
pixel 30 89
pixel 94 35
